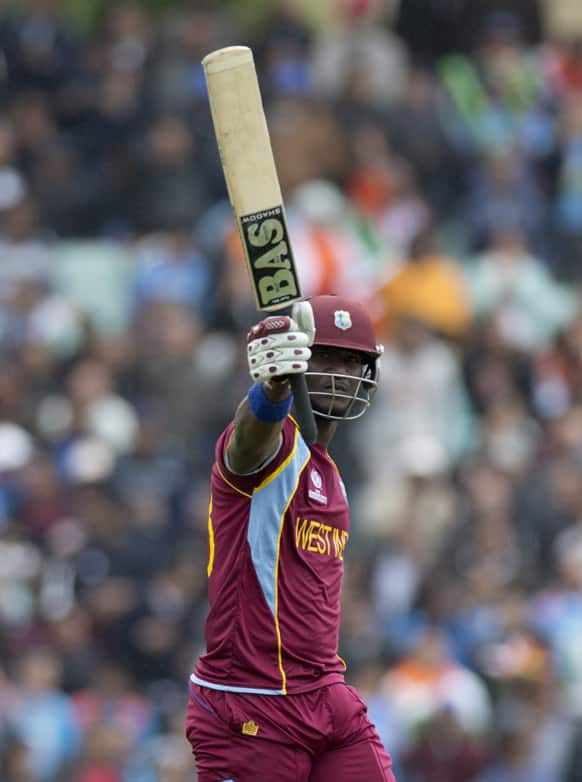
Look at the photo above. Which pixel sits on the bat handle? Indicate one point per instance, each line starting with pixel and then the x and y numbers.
pixel 303 409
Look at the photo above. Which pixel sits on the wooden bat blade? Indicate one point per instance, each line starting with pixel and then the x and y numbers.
pixel 251 176
pixel 253 186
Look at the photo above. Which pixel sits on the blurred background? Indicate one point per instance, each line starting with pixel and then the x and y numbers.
pixel 430 153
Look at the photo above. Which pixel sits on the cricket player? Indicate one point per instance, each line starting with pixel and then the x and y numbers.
pixel 268 700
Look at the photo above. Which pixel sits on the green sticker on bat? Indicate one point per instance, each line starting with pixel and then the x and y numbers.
pixel 270 259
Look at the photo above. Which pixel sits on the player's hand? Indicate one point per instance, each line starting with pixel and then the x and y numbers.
pixel 279 346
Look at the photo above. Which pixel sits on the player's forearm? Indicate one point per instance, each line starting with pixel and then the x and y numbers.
pixel 254 440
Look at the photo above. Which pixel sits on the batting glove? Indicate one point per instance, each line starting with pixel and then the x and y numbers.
pixel 280 345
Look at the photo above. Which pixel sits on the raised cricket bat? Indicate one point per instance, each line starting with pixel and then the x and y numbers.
pixel 255 194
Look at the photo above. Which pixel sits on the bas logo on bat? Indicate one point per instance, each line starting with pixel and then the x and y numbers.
pixel 269 256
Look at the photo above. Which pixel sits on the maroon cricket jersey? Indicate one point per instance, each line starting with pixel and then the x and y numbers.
pixel 276 543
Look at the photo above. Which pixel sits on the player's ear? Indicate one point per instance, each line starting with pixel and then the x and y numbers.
pixel 302 314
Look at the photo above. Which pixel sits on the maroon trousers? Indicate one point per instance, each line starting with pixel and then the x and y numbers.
pixel 319 736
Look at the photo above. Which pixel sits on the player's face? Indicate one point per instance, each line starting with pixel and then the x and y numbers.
pixel 336 379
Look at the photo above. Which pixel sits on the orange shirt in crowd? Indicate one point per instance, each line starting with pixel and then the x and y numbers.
pixel 430 289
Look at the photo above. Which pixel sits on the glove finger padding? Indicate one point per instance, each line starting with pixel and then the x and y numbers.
pixel 278 369
pixel 274 363
pixel 276 348
pixel 289 339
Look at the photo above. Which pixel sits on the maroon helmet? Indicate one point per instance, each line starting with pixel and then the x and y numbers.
pixel 343 323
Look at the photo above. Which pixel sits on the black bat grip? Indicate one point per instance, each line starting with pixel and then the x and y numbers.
pixel 303 409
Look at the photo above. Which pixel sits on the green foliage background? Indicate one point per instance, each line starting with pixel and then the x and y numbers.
pixel 85 14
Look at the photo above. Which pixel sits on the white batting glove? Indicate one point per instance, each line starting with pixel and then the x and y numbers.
pixel 279 345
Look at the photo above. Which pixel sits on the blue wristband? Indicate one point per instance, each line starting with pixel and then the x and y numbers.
pixel 266 410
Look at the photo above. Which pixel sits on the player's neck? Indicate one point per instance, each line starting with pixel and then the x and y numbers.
pixel 325 430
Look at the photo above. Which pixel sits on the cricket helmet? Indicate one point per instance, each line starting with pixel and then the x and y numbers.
pixel 344 323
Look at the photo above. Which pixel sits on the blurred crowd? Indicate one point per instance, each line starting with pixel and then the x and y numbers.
pixel 430 155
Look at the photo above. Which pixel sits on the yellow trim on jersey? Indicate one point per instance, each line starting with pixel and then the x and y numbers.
pixel 210 540
pixel 282 521
pixel 333 463
pixel 232 486
pixel 280 468
pixel 343 662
